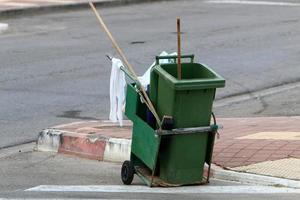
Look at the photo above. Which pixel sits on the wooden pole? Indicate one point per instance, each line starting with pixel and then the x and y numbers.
pixel 178 49
pixel 127 64
pixel 114 43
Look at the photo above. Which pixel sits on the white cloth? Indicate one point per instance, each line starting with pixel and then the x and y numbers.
pixel 145 79
pixel 118 86
pixel 117 91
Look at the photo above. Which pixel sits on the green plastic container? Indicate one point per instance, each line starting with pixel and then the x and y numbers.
pixel 172 160
pixel 189 100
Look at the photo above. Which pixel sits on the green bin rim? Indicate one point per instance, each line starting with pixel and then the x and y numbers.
pixel 191 84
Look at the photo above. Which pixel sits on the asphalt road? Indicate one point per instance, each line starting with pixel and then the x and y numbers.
pixel 53 66
pixel 26 174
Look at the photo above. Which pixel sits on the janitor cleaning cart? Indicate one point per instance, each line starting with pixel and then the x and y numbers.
pixel 172 134
pixel 175 153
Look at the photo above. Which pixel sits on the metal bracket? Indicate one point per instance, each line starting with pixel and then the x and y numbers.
pixel 180 131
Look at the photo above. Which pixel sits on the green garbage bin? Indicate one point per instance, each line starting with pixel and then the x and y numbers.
pixel 173 157
pixel 189 100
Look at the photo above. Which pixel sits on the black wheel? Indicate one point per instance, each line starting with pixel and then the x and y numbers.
pixel 127 172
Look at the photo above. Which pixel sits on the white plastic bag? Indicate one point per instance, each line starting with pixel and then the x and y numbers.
pixel 145 79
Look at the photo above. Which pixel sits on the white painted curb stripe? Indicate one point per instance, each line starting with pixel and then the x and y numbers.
pixel 49 140
pixel 255 179
pixel 175 190
pixel 267 3
pixel 117 149
pixel 3 27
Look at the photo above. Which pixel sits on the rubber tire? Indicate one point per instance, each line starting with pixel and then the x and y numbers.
pixel 127 172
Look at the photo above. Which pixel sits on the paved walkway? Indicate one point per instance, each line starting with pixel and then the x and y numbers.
pixel 247 141
pixel 266 145
pixel 243 141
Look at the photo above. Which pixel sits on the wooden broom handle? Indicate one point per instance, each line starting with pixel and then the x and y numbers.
pixel 178 49
pixel 127 64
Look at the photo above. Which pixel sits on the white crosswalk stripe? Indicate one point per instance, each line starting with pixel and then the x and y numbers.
pixel 174 190
pixel 3 27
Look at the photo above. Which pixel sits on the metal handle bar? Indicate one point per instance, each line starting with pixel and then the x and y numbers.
pixel 191 56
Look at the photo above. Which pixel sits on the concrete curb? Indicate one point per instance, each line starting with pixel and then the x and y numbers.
pixel 70 6
pixel 3 27
pixel 85 146
pixel 253 179
pixel 49 140
pixel 118 150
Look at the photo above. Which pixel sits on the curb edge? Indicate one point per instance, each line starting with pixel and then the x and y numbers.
pixel 15 12
pixel 118 150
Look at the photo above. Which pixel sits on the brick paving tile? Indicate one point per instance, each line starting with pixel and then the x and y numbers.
pixel 248 163
pixel 295 142
pixel 238 145
pixel 217 148
pixel 216 152
pixel 251 147
pixel 289 147
pixel 258 159
pixel 272 147
pixel 221 146
pixel 239 159
pixel 245 153
pixel 260 144
pixel 276 157
pixel 295 154
pixel 225 155
pixel 225 141
pixel 231 150
pixel 283 152
pixel 278 145
pixel 244 141
pixel 265 152
pixel 260 156
pixel 280 142
pixel 221 159
pixel 234 164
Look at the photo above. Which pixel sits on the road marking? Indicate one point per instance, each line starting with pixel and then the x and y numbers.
pixel 283 135
pixel 288 168
pixel 3 27
pixel 175 190
pixel 267 3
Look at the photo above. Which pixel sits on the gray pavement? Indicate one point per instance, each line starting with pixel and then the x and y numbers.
pixel 53 68
pixel 283 103
pixel 22 169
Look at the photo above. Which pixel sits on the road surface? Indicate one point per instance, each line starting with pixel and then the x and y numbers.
pixel 54 70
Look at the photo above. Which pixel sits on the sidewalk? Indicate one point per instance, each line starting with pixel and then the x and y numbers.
pixel 266 146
